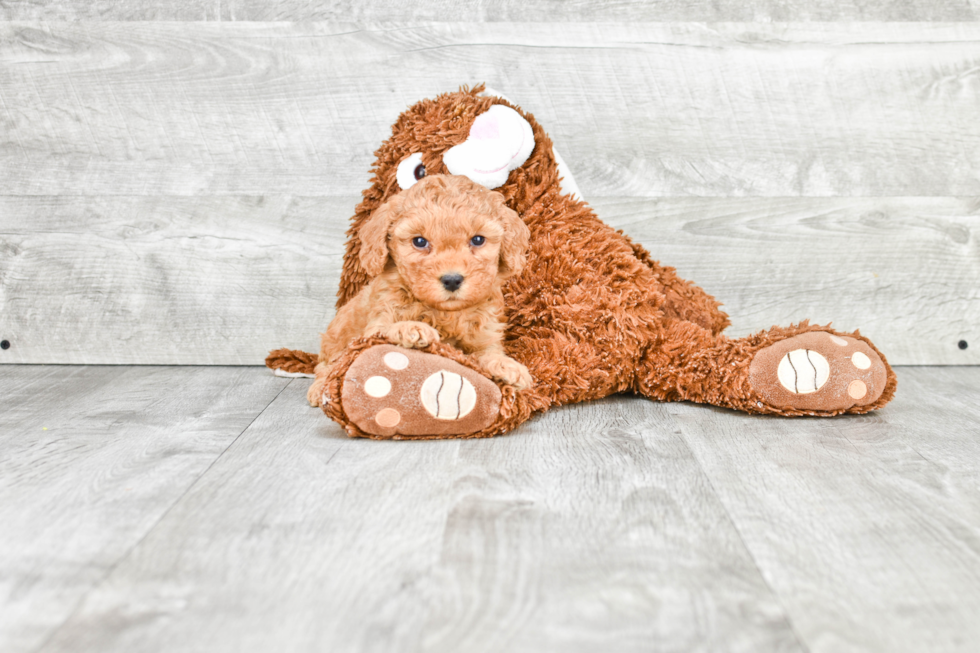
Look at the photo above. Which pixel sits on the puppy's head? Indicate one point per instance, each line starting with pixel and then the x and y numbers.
pixel 450 238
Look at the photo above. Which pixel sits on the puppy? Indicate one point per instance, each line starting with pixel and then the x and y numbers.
pixel 439 253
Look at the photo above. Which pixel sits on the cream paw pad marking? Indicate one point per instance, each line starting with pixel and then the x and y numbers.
pixel 392 391
pixel 818 371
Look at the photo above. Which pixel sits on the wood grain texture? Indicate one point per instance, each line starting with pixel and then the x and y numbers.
pixel 492 10
pixel 296 537
pixel 92 458
pixel 591 529
pixel 656 109
pixel 905 271
pixel 163 280
pixel 618 525
pixel 867 528
pixel 222 280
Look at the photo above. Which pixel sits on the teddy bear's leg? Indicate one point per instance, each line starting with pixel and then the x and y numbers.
pixel 390 391
pixel 687 302
pixel 683 300
pixel 800 370
pixel 379 390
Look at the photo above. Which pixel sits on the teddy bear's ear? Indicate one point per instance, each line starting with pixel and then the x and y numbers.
pixel 499 140
pixel 513 248
pixel 374 239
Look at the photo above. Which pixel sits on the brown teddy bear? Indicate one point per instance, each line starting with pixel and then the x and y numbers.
pixel 590 315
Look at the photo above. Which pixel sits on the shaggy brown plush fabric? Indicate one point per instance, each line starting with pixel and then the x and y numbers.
pixel 291 361
pixel 593 314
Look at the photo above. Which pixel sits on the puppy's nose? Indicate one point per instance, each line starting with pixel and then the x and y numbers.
pixel 451 281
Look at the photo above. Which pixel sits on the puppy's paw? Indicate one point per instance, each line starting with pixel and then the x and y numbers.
pixel 413 335
pixel 506 369
pixel 315 394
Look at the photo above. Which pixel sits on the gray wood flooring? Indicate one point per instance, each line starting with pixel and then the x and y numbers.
pixel 208 509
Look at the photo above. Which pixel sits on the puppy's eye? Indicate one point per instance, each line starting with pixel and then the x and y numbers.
pixel 410 170
pixel 420 242
pixel 477 241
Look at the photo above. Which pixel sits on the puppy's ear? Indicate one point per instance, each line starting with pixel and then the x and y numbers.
pixel 513 249
pixel 374 238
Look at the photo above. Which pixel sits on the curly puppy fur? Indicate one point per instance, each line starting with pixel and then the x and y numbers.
pixel 439 254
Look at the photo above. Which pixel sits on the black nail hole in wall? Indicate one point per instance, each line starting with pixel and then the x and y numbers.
pixel 4 344
pixel 961 344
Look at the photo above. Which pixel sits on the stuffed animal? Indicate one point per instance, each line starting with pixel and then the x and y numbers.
pixel 591 313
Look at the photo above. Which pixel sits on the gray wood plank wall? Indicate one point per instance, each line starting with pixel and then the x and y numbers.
pixel 177 192
pixel 547 11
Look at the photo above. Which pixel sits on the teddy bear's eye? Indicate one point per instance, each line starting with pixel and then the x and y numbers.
pixel 410 170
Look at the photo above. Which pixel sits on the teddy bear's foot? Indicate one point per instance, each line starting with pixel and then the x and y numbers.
pixel 818 372
pixel 391 391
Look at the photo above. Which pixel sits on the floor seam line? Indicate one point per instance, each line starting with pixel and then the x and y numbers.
pixel 741 538
pixel 142 538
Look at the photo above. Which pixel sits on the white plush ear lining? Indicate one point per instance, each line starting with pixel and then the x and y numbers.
pixel 568 185
pixel 500 140
pixel 567 181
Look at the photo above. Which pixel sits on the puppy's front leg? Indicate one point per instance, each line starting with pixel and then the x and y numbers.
pixel 342 329
pixel 504 368
pixel 412 335
pixel 315 393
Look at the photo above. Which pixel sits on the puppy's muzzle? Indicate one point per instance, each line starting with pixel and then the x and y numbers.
pixel 451 281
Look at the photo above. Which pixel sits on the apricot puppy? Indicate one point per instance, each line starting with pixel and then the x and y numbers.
pixel 439 253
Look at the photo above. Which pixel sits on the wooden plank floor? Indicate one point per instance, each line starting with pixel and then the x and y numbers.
pixel 207 509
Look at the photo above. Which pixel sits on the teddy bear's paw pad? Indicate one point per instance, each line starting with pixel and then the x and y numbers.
pixel 394 392
pixel 447 395
pixel 818 371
